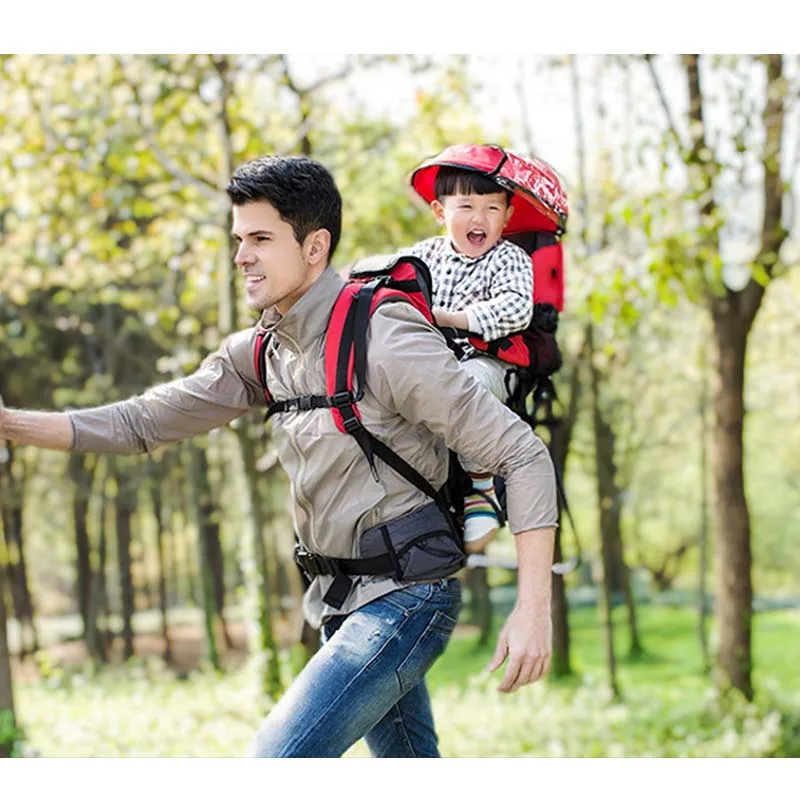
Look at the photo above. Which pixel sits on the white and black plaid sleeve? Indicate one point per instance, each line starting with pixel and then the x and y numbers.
pixel 510 305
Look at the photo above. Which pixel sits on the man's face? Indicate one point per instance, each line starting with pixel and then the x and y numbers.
pixel 277 269
pixel 474 222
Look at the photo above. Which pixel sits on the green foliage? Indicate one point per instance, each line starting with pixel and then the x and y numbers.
pixel 12 737
pixel 669 707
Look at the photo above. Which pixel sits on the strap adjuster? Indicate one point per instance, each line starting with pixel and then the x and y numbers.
pixel 352 424
pixel 342 399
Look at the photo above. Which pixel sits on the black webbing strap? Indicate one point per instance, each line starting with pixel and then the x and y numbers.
pixel 543 398
pixel 402 467
pixel 305 403
pixel 341 569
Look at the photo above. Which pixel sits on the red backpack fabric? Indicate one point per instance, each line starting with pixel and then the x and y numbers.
pixel 406 278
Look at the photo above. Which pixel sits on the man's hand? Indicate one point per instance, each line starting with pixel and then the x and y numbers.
pixel 526 640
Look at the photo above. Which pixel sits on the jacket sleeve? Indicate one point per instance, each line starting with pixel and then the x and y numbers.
pixel 222 388
pixel 411 370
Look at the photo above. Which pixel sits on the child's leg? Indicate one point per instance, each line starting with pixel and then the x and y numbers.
pixel 480 517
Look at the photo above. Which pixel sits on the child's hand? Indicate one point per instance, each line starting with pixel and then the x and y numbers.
pixel 451 319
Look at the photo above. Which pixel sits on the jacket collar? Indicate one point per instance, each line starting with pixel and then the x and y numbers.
pixel 308 318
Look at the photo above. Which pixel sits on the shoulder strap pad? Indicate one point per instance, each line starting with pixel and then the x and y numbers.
pixel 260 362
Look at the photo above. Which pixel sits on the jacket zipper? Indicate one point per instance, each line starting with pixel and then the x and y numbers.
pixel 301 498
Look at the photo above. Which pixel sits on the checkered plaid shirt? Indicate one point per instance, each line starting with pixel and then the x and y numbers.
pixel 495 289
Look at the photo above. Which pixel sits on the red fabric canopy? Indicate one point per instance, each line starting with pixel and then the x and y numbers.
pixel 540 203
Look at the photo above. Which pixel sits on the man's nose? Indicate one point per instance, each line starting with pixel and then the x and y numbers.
pixel 243 256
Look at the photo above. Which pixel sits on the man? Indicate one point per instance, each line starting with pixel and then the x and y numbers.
pixel 382 636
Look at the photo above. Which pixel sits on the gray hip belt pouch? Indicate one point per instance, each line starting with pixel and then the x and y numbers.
pixel 421 545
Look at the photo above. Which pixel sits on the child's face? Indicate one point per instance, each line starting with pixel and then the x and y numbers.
pixel 474 222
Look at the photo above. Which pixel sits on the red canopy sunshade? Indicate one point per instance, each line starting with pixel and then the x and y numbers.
pixel 540 203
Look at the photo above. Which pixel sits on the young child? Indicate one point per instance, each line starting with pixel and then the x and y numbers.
pixel 482 284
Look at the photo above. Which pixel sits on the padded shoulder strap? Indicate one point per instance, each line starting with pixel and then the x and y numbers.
pixel 260 362
pixel 346 343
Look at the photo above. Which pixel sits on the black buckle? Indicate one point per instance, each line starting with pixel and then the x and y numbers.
pixel 352 424
pixel 342 399
pixel 314 564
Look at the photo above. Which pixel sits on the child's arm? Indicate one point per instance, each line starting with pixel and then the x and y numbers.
pixel 451 319
pixel 510 305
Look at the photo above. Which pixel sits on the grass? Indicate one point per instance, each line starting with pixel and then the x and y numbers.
pixel 669 706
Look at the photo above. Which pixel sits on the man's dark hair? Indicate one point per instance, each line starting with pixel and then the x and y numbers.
pixel 454 180
pixel 300 189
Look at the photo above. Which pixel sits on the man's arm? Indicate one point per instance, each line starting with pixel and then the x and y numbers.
pixel 526 637
pixel 51 430
pixel 220 390
pixel 410 368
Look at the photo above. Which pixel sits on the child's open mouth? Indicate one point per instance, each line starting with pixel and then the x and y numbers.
pixel 476 238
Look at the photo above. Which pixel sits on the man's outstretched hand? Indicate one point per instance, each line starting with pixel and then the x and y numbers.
pixel 526 641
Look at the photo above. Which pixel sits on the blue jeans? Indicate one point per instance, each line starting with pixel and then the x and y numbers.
pixel 368 680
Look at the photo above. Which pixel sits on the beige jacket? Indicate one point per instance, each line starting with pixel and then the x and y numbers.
pixel 417 400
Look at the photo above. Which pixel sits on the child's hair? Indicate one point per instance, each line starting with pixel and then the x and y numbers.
pixel 454 180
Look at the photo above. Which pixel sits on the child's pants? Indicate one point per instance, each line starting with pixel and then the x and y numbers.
pixel 491 373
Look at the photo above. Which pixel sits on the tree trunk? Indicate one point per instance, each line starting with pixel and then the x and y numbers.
pixel 81 472
pixel 616 575
pixel 561 435
pixel 201 491
pixel 734 589
pixel 216 564
pixel 733 314
pixel 157 483
pixel 257 568
pixel 702 597
pixel 125 505
pixel 607 501
pixel 480 603
pixel 13 489
pixel 7 718
pixel 97 638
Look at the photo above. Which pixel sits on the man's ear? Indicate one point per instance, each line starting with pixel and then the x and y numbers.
pixel 438 211
pixel 318 246
pixel 509 212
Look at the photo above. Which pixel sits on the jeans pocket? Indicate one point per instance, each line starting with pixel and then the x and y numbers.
pixel 444 623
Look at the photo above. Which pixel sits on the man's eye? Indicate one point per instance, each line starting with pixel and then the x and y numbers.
pixel 262 238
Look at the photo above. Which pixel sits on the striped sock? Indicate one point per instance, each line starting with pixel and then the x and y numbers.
pixel 480 518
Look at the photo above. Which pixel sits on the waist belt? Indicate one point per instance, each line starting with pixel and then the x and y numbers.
pixel 313 564
pixel 341 569
pixel 421 545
